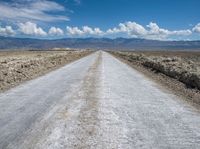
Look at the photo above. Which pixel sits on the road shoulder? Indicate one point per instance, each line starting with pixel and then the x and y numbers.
pixel 19 67
pixel 168 84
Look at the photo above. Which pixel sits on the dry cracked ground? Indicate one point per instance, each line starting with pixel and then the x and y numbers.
pixel 96 102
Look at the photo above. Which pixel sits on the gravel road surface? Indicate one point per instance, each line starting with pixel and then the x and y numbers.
pixel 97 102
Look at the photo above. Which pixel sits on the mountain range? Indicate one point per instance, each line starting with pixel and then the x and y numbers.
pixel 11 43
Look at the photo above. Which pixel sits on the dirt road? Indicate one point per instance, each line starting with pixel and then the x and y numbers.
pixel 96 102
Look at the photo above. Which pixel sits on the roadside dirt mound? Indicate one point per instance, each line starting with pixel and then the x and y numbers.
pixel 186 70
pixel 17 67
pixel 176 68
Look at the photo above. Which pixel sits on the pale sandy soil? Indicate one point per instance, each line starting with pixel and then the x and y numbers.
pixel 17 67
pixel 177 71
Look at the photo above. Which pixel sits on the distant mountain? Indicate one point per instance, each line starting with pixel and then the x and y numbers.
pixel 97 43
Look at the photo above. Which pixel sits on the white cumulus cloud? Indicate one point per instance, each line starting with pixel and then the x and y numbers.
pixel 55 31
pixel 196 28
pixel 30 28
pixel 84 31
pixel 126 29
pixel 74 31
pixel 130 28
pixel 152 31
pixel 6 31
pixel 155 32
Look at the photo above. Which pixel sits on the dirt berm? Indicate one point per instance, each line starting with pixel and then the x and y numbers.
pixel 186 70
pixel 17 67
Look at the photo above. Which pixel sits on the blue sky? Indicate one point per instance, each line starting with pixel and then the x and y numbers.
pixel 149 19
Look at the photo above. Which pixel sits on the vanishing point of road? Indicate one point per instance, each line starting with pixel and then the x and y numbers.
pixel 97 102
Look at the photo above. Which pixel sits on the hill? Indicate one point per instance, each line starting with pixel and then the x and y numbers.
pixel 97 43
